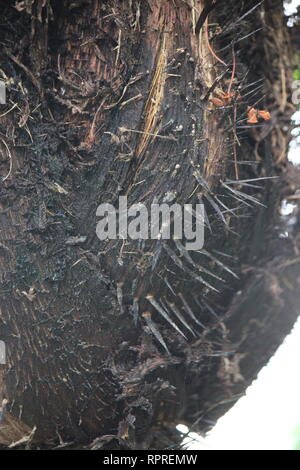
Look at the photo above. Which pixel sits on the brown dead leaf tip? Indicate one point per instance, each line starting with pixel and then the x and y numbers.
pixel 253 114
pixel 223 98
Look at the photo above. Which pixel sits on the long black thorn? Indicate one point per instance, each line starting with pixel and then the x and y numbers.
pixel 243 195
pixel 254 91
pixel 189 310
pixel 262 178
pixel 187 256
pixel 201 180
pixel 249 185
pixel 240 39
pixel 169 286
pixel 206 219
pixel 154 330
pixel 222 265
pixel 253 83
pixel 177 313
pixel 210 309
pixel 226 255
pixel 189 271
pixel 164 314
pixel 216 208
pixel 233 25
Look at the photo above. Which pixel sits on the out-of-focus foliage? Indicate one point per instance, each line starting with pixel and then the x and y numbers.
pixel 296 74
pixel 297 439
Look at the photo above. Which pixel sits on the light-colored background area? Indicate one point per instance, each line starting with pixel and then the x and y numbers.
pixel 267 416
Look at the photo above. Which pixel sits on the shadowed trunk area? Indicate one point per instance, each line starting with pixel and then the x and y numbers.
pixel 111 344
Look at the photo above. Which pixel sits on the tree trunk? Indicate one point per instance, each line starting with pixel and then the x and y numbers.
pixel 110 99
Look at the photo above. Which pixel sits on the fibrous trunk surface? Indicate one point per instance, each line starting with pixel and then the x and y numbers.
pixel 110 99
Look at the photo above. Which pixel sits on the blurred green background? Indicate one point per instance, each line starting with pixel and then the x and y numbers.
pixel 297 438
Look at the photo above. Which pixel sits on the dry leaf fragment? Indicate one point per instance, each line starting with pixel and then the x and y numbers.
pixel 217 102
pixel 253 114
pixel 222 98
pixel 264 114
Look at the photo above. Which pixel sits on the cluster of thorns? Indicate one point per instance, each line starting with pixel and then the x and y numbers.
pixel 224 99
pixel 221 98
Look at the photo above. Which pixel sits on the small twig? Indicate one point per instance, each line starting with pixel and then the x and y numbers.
pixel 166 137
pixel 209 46
pixel 25 69
pixel 233 70
pixel 134 98
pixel 118 47
pixel 10 160
pixel 91 134
pixel 6 112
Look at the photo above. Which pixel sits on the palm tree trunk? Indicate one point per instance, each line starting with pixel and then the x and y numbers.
pixel 109 99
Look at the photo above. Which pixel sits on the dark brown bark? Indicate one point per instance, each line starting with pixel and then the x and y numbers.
pixel 108 99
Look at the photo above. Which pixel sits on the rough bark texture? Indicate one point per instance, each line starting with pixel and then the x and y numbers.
pixel 110 98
